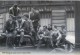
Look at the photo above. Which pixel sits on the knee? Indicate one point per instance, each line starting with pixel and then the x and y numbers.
pixel 22 33
pixel 15 32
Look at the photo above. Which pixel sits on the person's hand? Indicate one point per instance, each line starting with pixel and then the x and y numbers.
pixel 21 29
pixel 18 29
pixel 41 36
pixel 32 20
pixel 3 34
pixel 32 29
pixel 12 29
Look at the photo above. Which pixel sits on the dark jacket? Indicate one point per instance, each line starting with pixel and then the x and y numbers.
pixel 14 12
pixel 35 17
pixel 9 26
pixel 25 26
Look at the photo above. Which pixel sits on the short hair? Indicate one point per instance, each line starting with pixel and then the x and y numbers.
pixel 45 26
pixel 63 26
pixel 15 5
pixel 19 17
pixel 55 26
pixel 26 15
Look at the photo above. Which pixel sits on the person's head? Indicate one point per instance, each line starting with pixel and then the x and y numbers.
pixel 15 6
pixel 26 16
pixel 63 27
pixel 49 25
pixel 45 27
pixel 19 19
pixel 54 27
pixel 12 17
pixel 39 25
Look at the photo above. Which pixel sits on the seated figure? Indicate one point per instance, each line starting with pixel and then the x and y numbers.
pixel 44 36
pixel 67 45
pixel 56 36
pixel 9 31
pixel 23 28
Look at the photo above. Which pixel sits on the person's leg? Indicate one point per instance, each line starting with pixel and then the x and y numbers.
pixel 14 37
pixel 32 42
pixel 9 40
pixel 35 34
pixel 21 38
pixel 69 46
pixel 50 43
pixel 58 41
pixel 39 43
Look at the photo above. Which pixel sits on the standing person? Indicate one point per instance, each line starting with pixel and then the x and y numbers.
pixel 14 10
pixel 34 16
pixel 26 17
pixel 28 28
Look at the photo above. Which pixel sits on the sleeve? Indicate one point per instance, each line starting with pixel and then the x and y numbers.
pixel 10 11
pixel 59 35
pixel 52 32
pixel 31 25
pixel 29 14
pixel 24 25
pixel 19 11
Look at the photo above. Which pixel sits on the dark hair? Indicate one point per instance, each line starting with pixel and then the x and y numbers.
pixel 26 15
pixel 63 26
pixel 55 26
pixel 15 5
pixel 45 26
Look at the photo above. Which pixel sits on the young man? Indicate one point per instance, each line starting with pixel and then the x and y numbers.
pixel 64 42
pixel 34 16
pixel 56 36
pixel 44 36
pixel 14 10
pixel 24 28
pixel 26 17
pixel 9 30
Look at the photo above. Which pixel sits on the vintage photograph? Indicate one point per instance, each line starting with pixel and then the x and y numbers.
pixel 39 26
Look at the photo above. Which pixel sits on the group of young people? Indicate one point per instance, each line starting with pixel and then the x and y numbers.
pixel 20 24
pixel 27 25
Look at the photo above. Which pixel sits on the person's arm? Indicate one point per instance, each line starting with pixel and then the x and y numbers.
pixel 59 35
pixel 19 11
pixel 31 25
pixel 23 26
pixel 58 38
pixel 10 12
pixel 40 34
pixel 4 29
pixel 29 15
